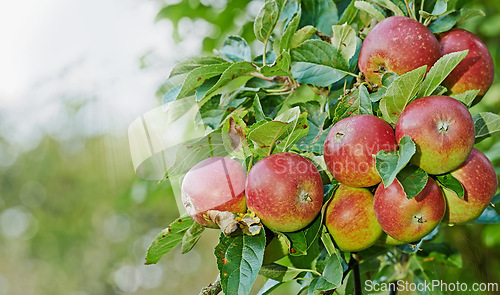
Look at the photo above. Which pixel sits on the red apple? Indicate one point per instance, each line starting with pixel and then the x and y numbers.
pixel 215 183
pixel 476 71
pixel 285 191
pixel 409 220
pixel 397 44
pixel 480 182
pixel 443 130
pixel 350 145
pixel 350 219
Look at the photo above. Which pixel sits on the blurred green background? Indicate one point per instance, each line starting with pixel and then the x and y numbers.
pixel 74 217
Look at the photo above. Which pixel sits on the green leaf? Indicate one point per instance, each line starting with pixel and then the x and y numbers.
pixel 319 284
pixel 320 14
pixel 239 260
pixel 257 108
pixel 168 238
pixel 400 93
pixel 439 71
pixel 389 164
pixel 191 237
pixel 266 21
pixel 319 75
pixel 315 138
pixel 290 30
pixel 320 53
pixel 301 36
pixel 444 23
pixel 451 183
pixel 171 95
pixel 370 9
pixel 190 64
pixel 413 180
pixel 269 286
pixel 333 272
pixel 198 76
pixel 349 14
pixel 280 67
pixel 486 124
pixel 232 74
pixel 489 216
pixel 236 49
pixel 344 39
pixel 357 103
pixel 301 241
pixel 280 273
pixel 440 7
pixel 468 13
pixel 441 253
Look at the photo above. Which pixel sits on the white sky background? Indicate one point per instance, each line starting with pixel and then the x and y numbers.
pixel 55 51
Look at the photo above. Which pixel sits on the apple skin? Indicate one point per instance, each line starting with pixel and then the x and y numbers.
pixel 350 219
pixel 443 130
pixel 480 183
pixel 350 145
pixel 397 44
pixel 285 191
pixel 476 70
pixel 408 220
pixel 216 183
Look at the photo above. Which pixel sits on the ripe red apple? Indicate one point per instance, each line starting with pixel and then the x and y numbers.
pixel 408 220
pixel 443 130
pixel 350 145
pixel 480 182
pixel 350 219
pixel 215 183
pixel 476 70
pixel 285 191
pixel 397 44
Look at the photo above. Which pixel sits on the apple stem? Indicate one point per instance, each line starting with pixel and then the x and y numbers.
pixel 354 264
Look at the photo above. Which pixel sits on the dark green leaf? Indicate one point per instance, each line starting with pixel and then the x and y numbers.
pixel 198 76
pixel 320 14
pixel 444 23
pixel 467 97
pixel 320 53
pixel 301 36
pixel 400 93
pixel 239 260
pixel 370 9
pixel 315 138
pixel 357 103
pixel 290 30
pixel 320 284
pixel 451 183
pixel 202 90
pixel 487 124
pixel 257 108
pixel 236 49
pixel 333 272
pixel 413 180
pixel 191 237
pixel 389 164
pixel 310 73
pixel 439 71
pixel 489 216
pixel 441 253
pixel 388 4
pixel 349 14
pixel 232 74
pixel 279 272
pixel 266 21
pixel 168 238
pixel 301 240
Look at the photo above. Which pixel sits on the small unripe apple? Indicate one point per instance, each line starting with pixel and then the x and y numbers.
pixel 443 130
pixel 476 70
pixel 216 183
pixel 408 220
pixel 480 182
pixel 350 219
pixel 397 44
pixel 285 191
pixel 350 145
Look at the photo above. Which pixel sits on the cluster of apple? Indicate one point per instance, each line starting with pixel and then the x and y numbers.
pixel 285 190
pixel 441 127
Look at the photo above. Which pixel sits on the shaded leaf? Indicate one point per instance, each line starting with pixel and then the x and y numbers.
pixel 320 14
pixel 489 216
pixel 370 9
pixel 439 71
pixel 168 238
pixel 233 72
pixel 451 183
pixel 191 237
pixel 344 39
pixel 236 49
pixel 349 14
pixel 198 76
pixel 466 97
pixel 286 39
pixel 486 124
pixel 280 67
pixel 279 272
pixel 190 64
pixel 334 271
pixel 301 241
pixel 266 21
pixel 413 180
pixel 301 36
pixel 356 103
